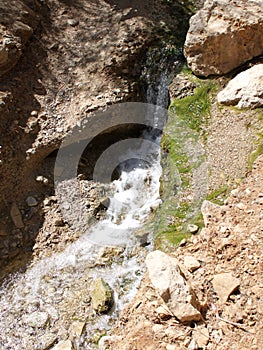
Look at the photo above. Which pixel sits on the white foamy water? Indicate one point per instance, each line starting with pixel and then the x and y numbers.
pixel 38 305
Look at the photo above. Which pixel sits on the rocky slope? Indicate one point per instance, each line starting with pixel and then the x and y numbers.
pixel 82 56
pixel 223 266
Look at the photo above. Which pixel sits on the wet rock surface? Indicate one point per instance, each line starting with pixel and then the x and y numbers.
pixel 101 295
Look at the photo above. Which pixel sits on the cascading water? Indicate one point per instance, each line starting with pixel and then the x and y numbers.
pixel 38 305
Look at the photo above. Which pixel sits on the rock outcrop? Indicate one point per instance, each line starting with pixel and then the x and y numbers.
pixel 223 35
pixel 167 278
pixel 15 30
pixel 245 90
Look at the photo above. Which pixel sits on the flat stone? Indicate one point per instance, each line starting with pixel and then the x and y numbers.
pixel 167 279
pixel 76 329
pixel 36 319
pixel 224 285
pixel 191 263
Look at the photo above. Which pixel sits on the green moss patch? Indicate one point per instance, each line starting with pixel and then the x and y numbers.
pixel 187 119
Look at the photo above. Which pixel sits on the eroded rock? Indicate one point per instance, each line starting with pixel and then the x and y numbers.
pixel 223 35
pixel 191 263
pixel 36 319
pixel 224 285
pixel 245 90
pixel 166 277
pixel 102 296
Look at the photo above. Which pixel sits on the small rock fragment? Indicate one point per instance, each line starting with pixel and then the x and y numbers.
pixel 171 347
pixel 36 319
pixel 76 329
pixel 191 263
pixel 107 339
pixel 193 228
pixel 34 113
pixel 201 337
pixel 101 295
pixel 42 179
pixel 73 22
pixel 31 201
pixel 224 285
pixel 163 312
pixel 16 216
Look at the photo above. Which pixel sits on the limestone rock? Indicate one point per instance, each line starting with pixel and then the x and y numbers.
pixel 223 35
pixel 191 263
pixel 63 345
pixel 224 285
pixel 201 337
pixel 193 228
pixel 36 319
pixel 166 277
pixel 102 296
pixel 16 216
pixel 245 90
pixel 76 329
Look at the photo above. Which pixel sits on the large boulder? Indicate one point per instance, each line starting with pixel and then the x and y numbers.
pixel 245 90
pixel 223 35
pixel 167 278
pixel 17 22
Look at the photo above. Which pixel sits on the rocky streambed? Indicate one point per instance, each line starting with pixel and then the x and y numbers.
pixel 81 58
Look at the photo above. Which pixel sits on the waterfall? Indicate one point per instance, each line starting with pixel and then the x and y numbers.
pixel 43 301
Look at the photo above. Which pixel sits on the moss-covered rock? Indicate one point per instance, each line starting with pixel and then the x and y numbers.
pixel 102 296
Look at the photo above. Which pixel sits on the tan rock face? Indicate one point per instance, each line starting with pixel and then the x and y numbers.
pixel 245 90
pixel 166 277
pixel 223 35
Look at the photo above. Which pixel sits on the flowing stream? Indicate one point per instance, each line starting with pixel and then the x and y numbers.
pixel 38 306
